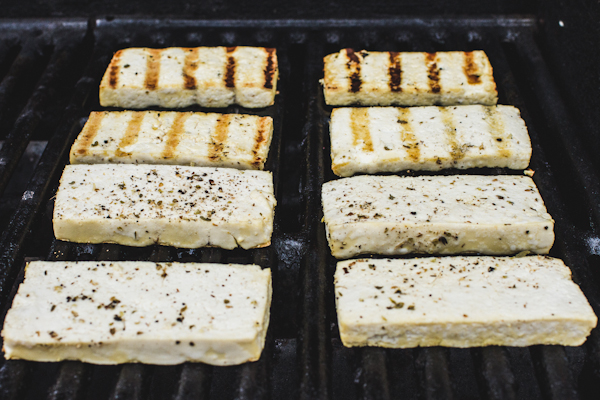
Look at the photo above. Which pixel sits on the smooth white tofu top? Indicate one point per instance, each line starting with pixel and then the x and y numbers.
pixel 183 309
pixel 167 137
pixel 379 139
pixel 458 291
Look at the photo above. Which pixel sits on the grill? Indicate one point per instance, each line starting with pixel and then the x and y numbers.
pixel 50 71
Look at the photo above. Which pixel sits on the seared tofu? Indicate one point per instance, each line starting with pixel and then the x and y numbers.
pixel 140 205
pixel 167 137
pixel 178 77
pixel 121 312
pixel 374 78
pixel 495 215
pixel 388 139
pixel 460 302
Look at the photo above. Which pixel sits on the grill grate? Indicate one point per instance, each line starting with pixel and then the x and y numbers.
pixel 50 73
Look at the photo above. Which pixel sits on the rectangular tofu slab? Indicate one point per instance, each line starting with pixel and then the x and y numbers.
pixel 121 312
pixel 388 139
pixel 388 78
pixel 168 137
pixel 497 215
pixel 460 302
pixel 139 205
pixel 179 77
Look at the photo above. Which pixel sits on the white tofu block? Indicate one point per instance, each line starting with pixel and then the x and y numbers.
pixel 497 215
pixel 460 302
pixel 120 312
pixel 178 77
pixel 168 137
pixel 139 205
pixel 388 78
pixel 388 139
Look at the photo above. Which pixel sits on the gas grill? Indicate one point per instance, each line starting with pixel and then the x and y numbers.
pixel 50 70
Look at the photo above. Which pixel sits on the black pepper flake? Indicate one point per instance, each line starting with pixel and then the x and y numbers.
pixel 491 269
pixel 117 318
pixel 113 331
pixel 192 344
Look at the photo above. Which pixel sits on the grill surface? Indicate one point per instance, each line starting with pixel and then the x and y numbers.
pixel 50 72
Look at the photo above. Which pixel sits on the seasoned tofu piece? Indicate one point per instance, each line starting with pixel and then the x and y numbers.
pixel 496 215
pixel 388 78
pixel 388 139
pixel 179 77
pixel 140 205
pixel 460 302
pixel 167 137
pixel 121 312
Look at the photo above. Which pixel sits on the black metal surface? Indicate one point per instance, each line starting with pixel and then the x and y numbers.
pixel 50 71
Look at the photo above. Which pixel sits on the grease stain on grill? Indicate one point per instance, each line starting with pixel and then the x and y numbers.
pixel 270 68
pixel 218 137
pixel 189 67
pixel 354 70
pixel 360 128
pixel 91 130
pixel 457 152
pixel 174 135
pixel 497 130
pixel 471 69
pixel 230 68
pixel 410 142
pixel 131 134
pixel 152 68
pixel 433 72
pixel 261 137
pixel 114 69
pixel 395 72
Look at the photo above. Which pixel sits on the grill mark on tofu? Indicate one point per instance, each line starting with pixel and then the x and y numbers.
pixel 457 152
pixel 114 69
pixel 270 68
pixel 471 69
pixel 409 141
pixel 433 72
pixel 189 67
pixel 90 131
pixel 259 140
pixel 493 118
pixel 152 68
pixel 230 68
pixel 174 135
pixel 360 128
pixel 353 70
pixel 395 72
pixel 218 138
pixel 131 134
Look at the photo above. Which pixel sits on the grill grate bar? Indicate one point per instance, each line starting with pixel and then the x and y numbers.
pixel 497 377
pixel 434 375
pixel 553 369
pixel 374 378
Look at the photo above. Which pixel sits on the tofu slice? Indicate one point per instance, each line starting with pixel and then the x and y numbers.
pixel 388 139
pixel 140 205
pixel 167 137
pixel 496 215
pixel 460 302
pixel 179 77
pixel 388 78
pixel 120 312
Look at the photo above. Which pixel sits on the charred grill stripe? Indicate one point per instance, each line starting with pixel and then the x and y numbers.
pixel 218 138
pixel 113 74
pixel 457 152
pixel 89 132
pixel 189 67
pixel 152 68
pixel 359 120
pixel 230 68
pixel 174 135
pixel 259 140
pixel 395 72
pixel 131 133
pixel 471 69
pixel 409 140
pixel 270 68
pixel 492 117
pixel 433 72
pixel 354 70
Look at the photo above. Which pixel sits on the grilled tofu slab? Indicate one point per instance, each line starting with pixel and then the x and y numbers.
pixel 388 139
pixel 139 205
pixel 179 77
pixel 120 312
pixel 460 302
pixel 495 215
pixel 408 79
pixel 167 137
